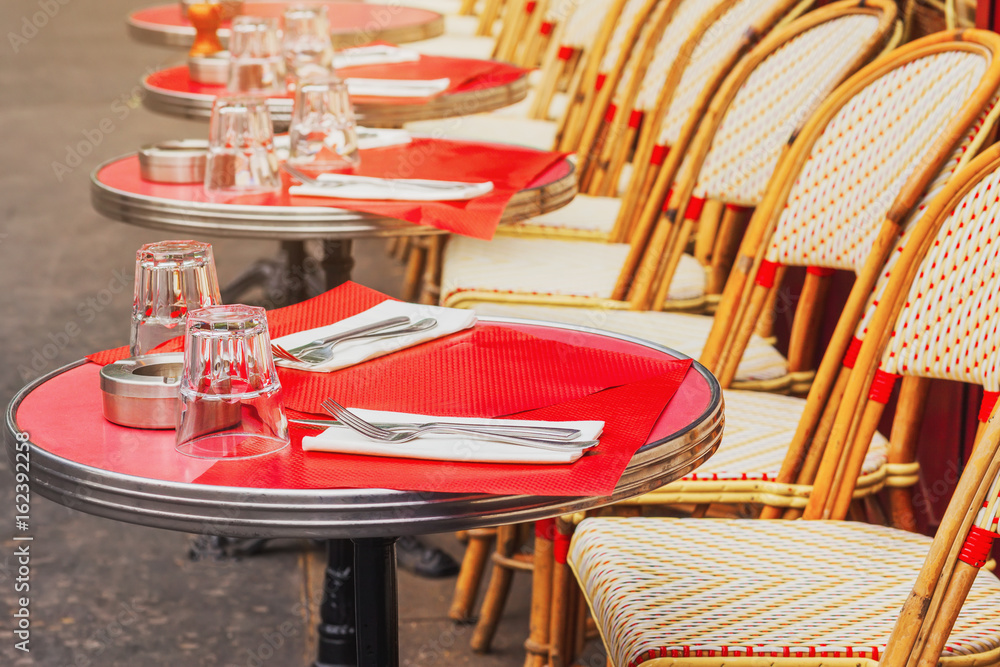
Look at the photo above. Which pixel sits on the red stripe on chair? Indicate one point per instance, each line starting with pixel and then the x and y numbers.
pixel 659 154
pixel 736 208
pixel 560 547
pixel 529 8
pixel 851 356
pixel 666 200
pixel 693 211
pixel 977 547
pixel 882 385
pixel 635 118
pixel 565 52
pixel 546 28
pixel 599 82
pixel 986 407
pixel 766 273
pixel 545 529
pixel 610 115
pixel 820 271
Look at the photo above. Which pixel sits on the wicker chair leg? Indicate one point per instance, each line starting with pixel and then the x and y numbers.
pixel 468 8
pixel 415 261
pixel 496 592
pixel 477 554
pixel 563 587
pixel 537 644
pixel 430 287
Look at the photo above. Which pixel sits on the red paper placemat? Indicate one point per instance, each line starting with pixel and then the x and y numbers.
pixel 629 413
pixel 510 168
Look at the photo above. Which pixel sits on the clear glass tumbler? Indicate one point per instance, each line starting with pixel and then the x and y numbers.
pixel 323 135
pixel 231 405
pixel 171 277
pixel 241 157
pixel 306 41
pixel 257 64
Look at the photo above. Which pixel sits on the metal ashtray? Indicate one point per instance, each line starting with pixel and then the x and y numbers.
pixel 144 391
pixel 179 161
pixel 211 70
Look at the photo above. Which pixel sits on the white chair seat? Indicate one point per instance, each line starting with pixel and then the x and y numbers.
pixel 550 266
pixel 683 332
pixel 458 46
pixel 533 133
pixel 669 590
pixel 759 428
pixel 583 213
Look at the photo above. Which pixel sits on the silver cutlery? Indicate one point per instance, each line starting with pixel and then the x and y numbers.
pixel 406 434
pixel 320 352
pixel 392 183
pixel 514 430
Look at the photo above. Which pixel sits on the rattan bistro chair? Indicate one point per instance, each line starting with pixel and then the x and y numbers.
pixel 561 273
pixel 709 591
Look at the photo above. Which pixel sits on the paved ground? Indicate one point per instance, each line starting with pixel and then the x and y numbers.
pixel 105 593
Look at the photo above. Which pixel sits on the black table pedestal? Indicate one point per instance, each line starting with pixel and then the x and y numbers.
pixel 360 610
pixel 375 602
pixel 337 640
pixel 292 277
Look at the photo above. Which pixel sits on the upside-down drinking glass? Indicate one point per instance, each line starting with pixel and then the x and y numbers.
pixel 257 64
pixel 306 42
pixel 171 277
pixel 231 405
pixel 241 155
pixel 323 133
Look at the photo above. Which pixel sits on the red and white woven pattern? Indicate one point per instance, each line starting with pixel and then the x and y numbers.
pixel 622 27
pixel 759 427
pixel 720 42
pixel 683 22
pixel 948 327
pixel 946 172
pixel 662 588
pixel 774 101
pixel 509 265
pixel 864 156
pixel 585 22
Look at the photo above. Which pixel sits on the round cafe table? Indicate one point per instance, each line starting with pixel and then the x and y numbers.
pixel 171 91
pixel 118 192
pixel 360 524
pixel 352 23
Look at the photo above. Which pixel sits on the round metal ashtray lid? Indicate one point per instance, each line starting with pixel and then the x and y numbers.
pixel 178 161
pixel 211 70
pixel 146 376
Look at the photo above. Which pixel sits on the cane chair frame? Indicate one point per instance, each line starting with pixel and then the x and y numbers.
pixel 741 304
pixel 592 98
pixel 670 238
pixel 855 414
pixel 929 612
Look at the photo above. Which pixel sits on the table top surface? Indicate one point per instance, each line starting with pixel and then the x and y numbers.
pixel 119 192
pixel 172 91
pixel 158 490
pixel 351 23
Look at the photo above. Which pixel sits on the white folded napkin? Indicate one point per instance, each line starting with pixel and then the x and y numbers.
pixel 374 55
pixel 347 186
pixel 446 446
pixel 396 87
pixel 369 137
pixel 348 353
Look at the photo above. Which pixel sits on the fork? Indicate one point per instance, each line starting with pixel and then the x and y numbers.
pixel 314 354
pixel 499 434
pixel 346 179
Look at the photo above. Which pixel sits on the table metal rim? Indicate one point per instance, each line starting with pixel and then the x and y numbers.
pixel 703 434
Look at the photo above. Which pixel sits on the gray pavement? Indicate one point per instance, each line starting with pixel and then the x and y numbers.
pixel 106 593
